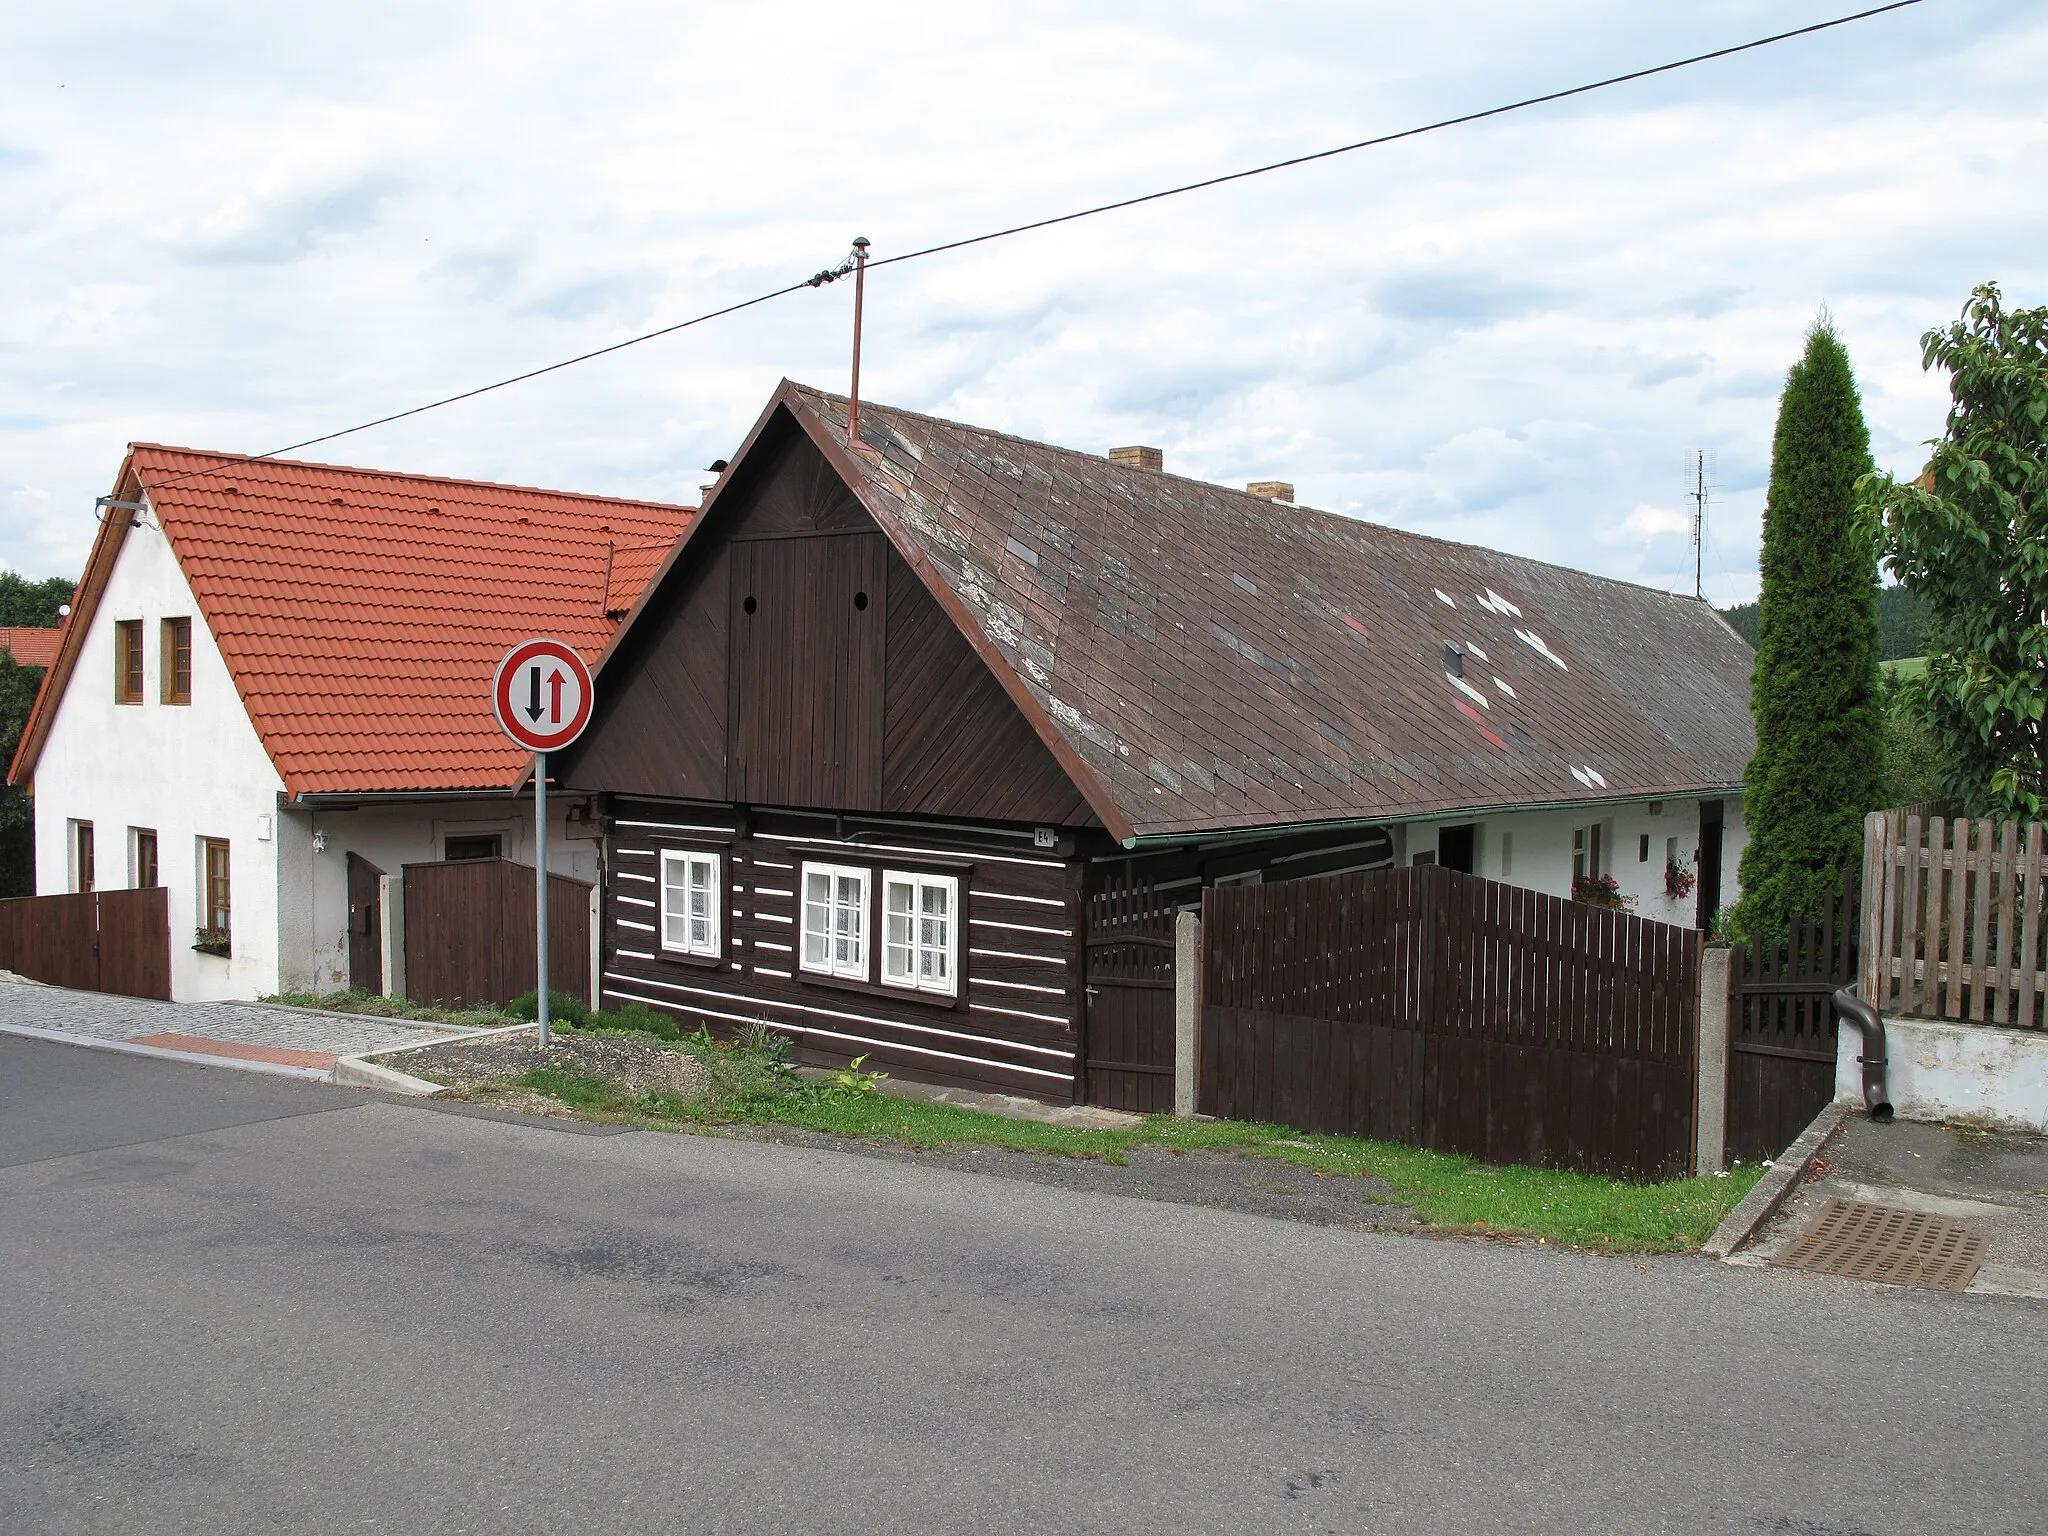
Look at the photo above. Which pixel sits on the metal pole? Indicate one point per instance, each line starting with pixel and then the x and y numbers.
pixel 860 284
pixel 540 890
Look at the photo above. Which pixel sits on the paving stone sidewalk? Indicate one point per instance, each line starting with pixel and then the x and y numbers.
pixel 263 1032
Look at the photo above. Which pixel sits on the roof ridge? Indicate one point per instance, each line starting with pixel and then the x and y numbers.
pixel 236 461
pixel 1263 503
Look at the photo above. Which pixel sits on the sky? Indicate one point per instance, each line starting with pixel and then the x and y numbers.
pixel 234 226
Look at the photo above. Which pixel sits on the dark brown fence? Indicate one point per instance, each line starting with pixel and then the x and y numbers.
pixel 99 941
pixel 1781 1028
pixel 1431 1007
pixel 469 932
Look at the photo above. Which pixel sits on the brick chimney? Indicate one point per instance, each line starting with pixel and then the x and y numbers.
pixel 1138 458
pixel 1272 490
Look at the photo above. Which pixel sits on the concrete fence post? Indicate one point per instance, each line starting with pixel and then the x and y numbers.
pixel 596 947
pixel 1187 1010
pixel 391 931
pixel 1710 1123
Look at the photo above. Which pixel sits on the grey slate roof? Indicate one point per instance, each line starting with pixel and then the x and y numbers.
pixel 1221 661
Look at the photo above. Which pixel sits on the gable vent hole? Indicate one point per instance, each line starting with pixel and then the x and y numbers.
pixel 747 606
pixel 860 600
pixel 334 501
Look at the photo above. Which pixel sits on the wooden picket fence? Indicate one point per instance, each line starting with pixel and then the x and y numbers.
pixel 1953 919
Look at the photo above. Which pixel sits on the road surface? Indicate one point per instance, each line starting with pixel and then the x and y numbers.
pixel 239 1303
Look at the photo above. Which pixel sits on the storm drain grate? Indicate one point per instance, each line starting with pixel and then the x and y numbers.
pixel 1882 1242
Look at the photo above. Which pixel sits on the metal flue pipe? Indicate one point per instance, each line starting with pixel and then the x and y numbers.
pixel 1871 1027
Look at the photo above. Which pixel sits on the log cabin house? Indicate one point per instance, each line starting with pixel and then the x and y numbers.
pixel 919 737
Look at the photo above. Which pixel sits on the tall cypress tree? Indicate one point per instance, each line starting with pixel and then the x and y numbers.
pixel 1815 694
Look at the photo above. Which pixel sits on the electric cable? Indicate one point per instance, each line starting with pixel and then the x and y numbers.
pixel 831 275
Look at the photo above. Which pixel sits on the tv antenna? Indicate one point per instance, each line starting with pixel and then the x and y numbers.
pixel 1701 483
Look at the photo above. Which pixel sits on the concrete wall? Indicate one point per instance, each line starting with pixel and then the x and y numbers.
pixel 185 770
pixel 1534 849
pixel 1971 1072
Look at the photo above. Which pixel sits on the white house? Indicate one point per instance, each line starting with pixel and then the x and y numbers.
pixel 276 676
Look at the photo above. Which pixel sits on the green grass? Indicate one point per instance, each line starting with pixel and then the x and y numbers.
pixel 1912 666
pixel 1443 1190
pixel 376 1005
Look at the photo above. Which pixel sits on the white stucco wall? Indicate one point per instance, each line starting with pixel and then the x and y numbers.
pixel 392 836
pixel 1978 1073
pixel 1533 849
pixel 197 770
pixel 186 770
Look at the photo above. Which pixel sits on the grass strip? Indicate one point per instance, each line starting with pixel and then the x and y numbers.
pixel 376 1005
pixel 1443 1190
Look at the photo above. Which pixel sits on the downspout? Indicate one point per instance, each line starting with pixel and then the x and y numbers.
pixel 1865 1018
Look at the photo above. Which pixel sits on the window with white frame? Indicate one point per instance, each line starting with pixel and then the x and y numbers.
pixel 920 932
pixel 691 903
pixel 836 921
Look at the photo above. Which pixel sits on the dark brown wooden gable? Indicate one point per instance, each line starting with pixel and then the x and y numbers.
pixel 955 744
pixel 792 658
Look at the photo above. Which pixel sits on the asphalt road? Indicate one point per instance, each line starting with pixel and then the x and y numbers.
pixel 234 1303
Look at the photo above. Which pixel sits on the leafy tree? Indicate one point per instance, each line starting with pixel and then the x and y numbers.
pixel 31 604
pixel 1815 692
pixel 18 686
pixel 1971 536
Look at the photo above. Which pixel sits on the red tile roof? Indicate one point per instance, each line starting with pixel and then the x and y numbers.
pixel 631 566
pixel 31 647
pixel 361 613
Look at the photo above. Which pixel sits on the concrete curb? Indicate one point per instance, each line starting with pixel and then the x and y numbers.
pixel 1777 1184
pixel 190 1058
pixel 361 1072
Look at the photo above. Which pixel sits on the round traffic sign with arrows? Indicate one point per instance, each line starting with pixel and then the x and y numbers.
pixel 542 694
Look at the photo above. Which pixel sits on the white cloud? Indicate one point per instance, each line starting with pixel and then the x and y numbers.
pixel 235 229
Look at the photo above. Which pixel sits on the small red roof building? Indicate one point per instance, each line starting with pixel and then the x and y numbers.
pixel 360 612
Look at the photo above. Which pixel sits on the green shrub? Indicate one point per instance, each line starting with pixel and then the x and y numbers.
pixel 639 1016
pixel 562 1008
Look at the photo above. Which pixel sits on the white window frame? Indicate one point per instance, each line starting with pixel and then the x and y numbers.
pixel 913 947
pixel 847 968
pixel 701 870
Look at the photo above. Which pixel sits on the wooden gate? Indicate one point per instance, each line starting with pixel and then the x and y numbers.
pixel 365 919
pixel 98 941
pixel 1130 998
pixel 469 932
pixel 1782 1026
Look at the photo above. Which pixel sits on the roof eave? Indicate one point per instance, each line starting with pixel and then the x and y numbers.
pixel 1211 832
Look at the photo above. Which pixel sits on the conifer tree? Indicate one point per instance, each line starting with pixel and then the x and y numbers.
pixel 1815 693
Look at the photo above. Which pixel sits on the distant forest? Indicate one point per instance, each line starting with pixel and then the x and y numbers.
pixel 1901 622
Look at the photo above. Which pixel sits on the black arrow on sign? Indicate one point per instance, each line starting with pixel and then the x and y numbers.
pixel 533 693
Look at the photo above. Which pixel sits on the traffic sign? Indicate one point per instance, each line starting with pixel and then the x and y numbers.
pixel 542 694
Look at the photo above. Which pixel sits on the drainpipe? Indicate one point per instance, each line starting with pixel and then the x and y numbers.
pixel 1864 1017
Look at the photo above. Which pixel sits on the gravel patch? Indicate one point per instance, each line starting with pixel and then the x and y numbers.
pixel 639 1066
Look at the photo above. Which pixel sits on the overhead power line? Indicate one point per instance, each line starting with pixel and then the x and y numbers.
pixel 1068 218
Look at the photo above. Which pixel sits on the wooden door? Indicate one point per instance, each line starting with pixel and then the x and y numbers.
pixel 365 925
pixel 1129 1046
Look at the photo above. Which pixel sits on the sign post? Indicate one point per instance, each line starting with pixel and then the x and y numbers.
pixel 541 696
